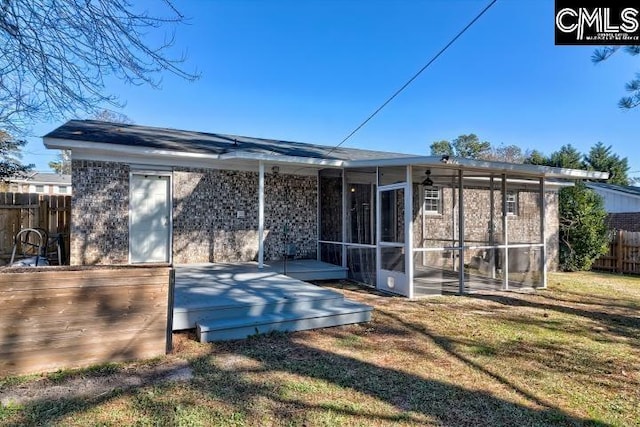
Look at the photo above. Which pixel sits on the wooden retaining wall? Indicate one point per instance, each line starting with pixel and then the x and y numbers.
pixel 63 317
pixel 623 255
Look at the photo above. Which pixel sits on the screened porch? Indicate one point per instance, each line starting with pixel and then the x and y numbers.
pixel 432 228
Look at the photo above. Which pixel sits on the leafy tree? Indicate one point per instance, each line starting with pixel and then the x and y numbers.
pixel 56 54
pixel 10 157
pixel 633 86
pixel 583 231
pixel 442 148
pixel 470 146
pixel 566 157
pixel 600 158
pixel 467 146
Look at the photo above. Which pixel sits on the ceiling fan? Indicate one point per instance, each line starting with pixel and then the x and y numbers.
pixel 427 181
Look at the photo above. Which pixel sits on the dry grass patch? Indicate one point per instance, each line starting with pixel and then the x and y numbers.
pixel 569 355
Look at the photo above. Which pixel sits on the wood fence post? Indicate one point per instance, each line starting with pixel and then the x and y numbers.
pixel 619 251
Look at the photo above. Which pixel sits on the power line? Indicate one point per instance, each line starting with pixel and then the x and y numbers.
pixel 415 76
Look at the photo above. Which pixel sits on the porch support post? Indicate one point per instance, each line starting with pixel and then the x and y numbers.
pixel 505 234
pixel 408 229
pixel 492 228
pixel 261 214
pixel 461 232
pixel 345 190
pixel 543 231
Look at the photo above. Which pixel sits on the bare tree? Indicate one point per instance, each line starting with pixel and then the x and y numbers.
pixel 113 117
pixel 56 54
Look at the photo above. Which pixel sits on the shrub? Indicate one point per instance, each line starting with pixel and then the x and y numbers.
pixel 583 231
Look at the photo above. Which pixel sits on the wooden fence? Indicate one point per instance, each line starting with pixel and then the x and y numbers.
pixel 65 317
pixel 25 210
pixel 623 255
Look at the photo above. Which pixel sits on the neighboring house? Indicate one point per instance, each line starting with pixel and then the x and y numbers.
pixel 622 203
pixel 41 183
pixel 405 224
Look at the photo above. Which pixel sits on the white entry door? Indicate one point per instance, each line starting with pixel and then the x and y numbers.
pixel 149 218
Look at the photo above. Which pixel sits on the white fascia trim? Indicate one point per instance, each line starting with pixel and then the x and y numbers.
pixel 483 165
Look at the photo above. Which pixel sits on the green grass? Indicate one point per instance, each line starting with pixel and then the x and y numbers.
pixel 569 355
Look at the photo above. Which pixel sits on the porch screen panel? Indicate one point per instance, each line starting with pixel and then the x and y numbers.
pixel 361 206
pixel 362 264
pixel 392 218
pixel 435 231
pixel 331 253
pixel 523 210
pixel 524 237
pixel 482 232
pixel 525 267
pixel 331 205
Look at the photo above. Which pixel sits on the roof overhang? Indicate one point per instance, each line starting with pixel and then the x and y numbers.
pixel 118 152
pixel 482 165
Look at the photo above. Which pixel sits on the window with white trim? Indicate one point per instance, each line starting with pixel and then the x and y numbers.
pixel 63 189
pixel 39 188
pixel 512 203
pixel 431 200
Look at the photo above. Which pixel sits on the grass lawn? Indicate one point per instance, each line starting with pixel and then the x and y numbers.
pixel 569 355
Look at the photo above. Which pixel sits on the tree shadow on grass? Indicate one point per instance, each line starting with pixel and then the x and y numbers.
pixel 625 325
pixel 415 399
pixel 229 387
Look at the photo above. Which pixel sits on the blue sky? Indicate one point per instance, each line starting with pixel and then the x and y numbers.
pixel 312 71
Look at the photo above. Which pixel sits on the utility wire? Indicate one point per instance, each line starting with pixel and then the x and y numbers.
pixel 415 76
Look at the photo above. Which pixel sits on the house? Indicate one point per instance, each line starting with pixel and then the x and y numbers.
pixel 622 202
pixel 41 183
pixel 409 225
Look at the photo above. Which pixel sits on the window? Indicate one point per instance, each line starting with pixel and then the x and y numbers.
pixel 39 188
pixel 62 189
pixel 432 200
pixel 512 203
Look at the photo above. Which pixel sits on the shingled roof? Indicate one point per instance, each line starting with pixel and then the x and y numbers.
pixel 202 142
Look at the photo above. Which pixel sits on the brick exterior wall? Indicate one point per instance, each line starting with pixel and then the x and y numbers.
pixel 206 223
pixel 100 213
pixel 206 227
pixel 628 221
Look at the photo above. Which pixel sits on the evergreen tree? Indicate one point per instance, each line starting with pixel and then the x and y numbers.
pixel 633 85
pixel 11 157
pixel 600 158
pixel 566 157
pixel 535 157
